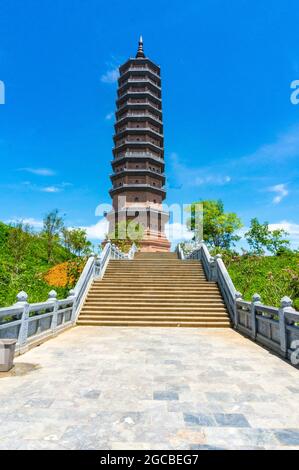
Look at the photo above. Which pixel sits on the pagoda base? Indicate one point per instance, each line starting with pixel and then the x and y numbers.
pixel 154 245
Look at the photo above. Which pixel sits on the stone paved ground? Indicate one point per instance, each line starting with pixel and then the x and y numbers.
pixel 130 388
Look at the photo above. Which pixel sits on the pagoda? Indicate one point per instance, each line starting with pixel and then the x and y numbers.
pixel 138 155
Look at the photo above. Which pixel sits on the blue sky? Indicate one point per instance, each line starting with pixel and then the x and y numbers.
pixel 231 131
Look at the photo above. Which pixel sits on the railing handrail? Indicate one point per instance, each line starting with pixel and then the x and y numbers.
pixel 275 328
pixel 54 315
pixel 12 310
pixel 228 280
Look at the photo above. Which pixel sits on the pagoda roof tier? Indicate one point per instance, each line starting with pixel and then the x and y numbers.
pixel 138 144
pixel 146 116
pixel 142 105
pixel 145 94
pixel 138 172
pixel 144 72
pixel 133 207
pixel 140 63
pixel 137 130
pixel 139 82
pixel 137 187
pixel 138 158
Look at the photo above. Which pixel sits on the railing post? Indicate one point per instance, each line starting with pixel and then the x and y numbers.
pixel 285 306
pixel 72 296
pixel 22 301
pixel 52 299
pixel 256 300
pixel 213 268
pixel 238 296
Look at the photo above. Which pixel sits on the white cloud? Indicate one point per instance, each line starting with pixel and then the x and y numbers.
pixel 39 171
pixel 111 76
pixel 50 189
pixel 97 231
pixel 177 232
pixel 109 116
pixel 281 192
pixel 291 228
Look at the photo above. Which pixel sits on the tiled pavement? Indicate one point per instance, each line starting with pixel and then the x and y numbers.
pixel 150 388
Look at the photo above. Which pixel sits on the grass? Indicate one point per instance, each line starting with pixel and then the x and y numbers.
pixel 272 277
pixel 31 270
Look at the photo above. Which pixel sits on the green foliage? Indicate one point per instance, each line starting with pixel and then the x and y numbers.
pixel 53 224
pixel 272 277
pixel 125 234
pixel 17 243
pixel 22 267
pixel 219 227
pixel 76 241
pixel 260 238
pixel 278 242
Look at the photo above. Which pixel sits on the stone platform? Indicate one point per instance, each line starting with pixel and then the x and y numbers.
pixel 154 388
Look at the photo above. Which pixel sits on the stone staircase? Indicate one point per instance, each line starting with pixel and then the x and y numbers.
pixel 154 289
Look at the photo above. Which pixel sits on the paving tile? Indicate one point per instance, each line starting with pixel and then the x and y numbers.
pixel 166 396
pixel 153 388
pixel 288 437
pixel 232 420
pixel 38 403
pixel 198 420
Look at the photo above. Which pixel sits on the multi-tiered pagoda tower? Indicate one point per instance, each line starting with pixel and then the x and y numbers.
pixel 138 164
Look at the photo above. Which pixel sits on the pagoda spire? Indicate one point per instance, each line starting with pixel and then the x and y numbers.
pixel 140 52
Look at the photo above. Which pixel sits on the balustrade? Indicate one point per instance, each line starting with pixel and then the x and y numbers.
pixel 275 328
pixel 31 324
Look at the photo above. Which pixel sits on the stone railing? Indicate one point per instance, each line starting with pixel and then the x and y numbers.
pixel 32 324
pixel 275 328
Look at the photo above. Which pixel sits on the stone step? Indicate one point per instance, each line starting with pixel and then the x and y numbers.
pixel 150 291
pixel 174 272
pixel 155 271
pixel 157 276
pixel 157 262
pixel 155 315
pixel 155 302
pixel 182 317
pixel 155 298
pixel 154 308
pixel 150 285
pixel 183 290
pixel 167 323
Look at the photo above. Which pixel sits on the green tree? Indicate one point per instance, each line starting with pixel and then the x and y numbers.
pixel 65 234
pixel 260 238
pixel 17 243
pixel 278 241
pixel 53 225
pixel 76 241
pixel 217 227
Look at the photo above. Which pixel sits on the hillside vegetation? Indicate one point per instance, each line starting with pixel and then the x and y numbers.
pixel 272 277
pixel 22 266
